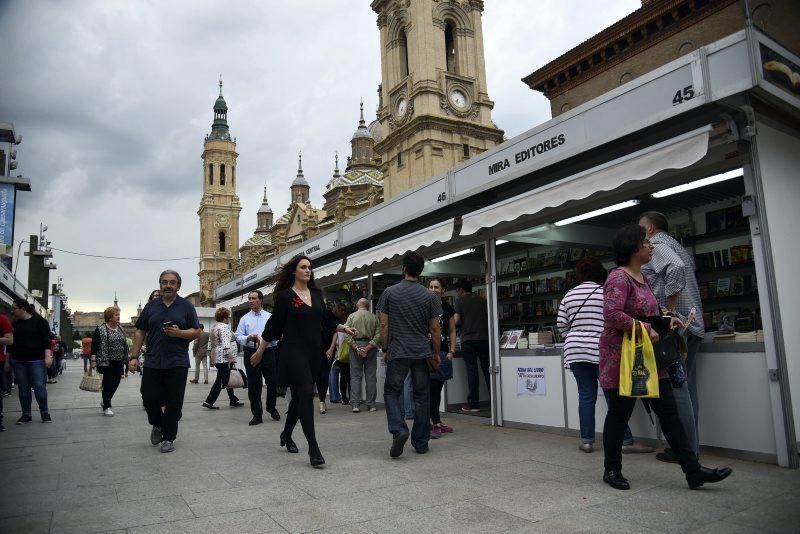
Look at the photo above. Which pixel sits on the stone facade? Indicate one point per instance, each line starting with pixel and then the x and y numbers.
pixel 219 207
pixel 657 33
pixel 434 107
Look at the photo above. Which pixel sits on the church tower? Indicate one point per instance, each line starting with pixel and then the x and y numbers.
pixel 434 106
pixel 300 188
pixel 219 207
pixel 264 215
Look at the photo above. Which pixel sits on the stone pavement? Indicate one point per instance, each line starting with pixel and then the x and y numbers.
pixel 88 473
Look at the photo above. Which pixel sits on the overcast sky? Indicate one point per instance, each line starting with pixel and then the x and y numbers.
pixel 113 99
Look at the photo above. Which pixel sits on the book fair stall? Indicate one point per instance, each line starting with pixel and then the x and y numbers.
pixel 712 140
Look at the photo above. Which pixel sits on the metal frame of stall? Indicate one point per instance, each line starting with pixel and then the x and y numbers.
pixel 722 88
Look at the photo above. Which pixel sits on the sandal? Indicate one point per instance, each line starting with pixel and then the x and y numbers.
pixel 322 408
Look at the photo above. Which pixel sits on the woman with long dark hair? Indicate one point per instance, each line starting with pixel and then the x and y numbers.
pixel 30 357
pixel 297 319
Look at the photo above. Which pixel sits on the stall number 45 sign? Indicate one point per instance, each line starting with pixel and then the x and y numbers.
pixel 682 95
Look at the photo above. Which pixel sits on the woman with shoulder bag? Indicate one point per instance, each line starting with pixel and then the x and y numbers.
pixel 580 323
pixel 219 352
pixel 628 301
pixel 109 355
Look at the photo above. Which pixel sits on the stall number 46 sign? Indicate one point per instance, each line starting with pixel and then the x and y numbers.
pixel 682 95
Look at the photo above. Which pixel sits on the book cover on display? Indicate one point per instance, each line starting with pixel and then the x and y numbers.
pixel 715 221
pixel 724 287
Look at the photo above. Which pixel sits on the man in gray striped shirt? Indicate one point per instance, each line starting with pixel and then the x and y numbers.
pixel 410 331
pixel 671 276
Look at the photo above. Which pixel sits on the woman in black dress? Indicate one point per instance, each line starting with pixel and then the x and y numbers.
pixel 297 322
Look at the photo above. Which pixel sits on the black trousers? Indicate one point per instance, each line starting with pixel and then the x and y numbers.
pixel 301 408
pixel 436 400
pixel 112 373
pixel 324 375
pixel 256 376
pixel 475 352
pixel 344 379
pixel 167 386
pixel 223 373
pixel 619 412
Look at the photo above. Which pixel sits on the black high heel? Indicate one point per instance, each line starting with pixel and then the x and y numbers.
pixel 290 445
pixel 316 458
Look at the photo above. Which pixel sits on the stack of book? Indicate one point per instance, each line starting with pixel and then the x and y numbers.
pixel 726 257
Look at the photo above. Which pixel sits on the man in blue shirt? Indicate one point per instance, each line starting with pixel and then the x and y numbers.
pixel 168 324
pixel 248 335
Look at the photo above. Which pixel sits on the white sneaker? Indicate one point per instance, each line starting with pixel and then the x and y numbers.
pixel 108 413
pixel 356 409
pixel 372 408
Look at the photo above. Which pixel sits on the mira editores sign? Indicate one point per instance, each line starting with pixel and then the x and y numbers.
pixel 528 153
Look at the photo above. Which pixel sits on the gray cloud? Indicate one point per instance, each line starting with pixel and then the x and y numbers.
pixel 114 98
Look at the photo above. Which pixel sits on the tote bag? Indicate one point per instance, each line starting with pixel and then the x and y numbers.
pixel 343 352
pixel 638 374
pixel 91 382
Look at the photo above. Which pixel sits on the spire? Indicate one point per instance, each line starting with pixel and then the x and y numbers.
pixel 300 180
pixel 115 300
pixel 219 128
pixel 362 131
pixel 264 204
pixel 336 168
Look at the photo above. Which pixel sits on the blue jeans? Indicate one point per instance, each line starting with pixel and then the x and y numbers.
pixel 683 404
pixel 693 347
pixel 396 372
pixel 333 384
pixel 408 397
pixel 586 375
pixel 31 375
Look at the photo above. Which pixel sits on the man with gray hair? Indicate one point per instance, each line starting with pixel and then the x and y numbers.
pixel 169 324
pixel 363 355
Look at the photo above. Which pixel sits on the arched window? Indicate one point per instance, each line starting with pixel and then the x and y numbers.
pixel 403 46
pixel 210 175
pixel 450 49
pixel 222 174
pixel 222 241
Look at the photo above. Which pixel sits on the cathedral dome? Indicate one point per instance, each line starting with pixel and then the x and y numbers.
pixel 376 131
pixel 264 204
pixel 220 104
pixel 362 132
pixel 300 180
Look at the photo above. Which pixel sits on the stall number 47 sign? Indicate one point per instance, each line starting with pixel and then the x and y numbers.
pixel 683 95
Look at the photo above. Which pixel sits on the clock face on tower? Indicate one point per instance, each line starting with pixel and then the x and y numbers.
pixel 402 106
pixel 458 98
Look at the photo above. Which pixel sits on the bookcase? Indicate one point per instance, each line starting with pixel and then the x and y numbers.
pixel 532 282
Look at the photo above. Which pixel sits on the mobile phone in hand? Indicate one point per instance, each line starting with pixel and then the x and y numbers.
pixel 168 324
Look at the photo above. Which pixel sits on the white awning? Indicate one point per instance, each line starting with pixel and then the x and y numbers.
pixel 675 153
pixel 327 270
pixel 424 238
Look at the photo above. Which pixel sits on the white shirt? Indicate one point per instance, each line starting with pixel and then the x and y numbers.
pixel 252 323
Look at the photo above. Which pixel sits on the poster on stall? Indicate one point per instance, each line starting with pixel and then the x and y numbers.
pixel 531 381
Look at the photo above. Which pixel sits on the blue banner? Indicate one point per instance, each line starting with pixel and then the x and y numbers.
pixel 7 214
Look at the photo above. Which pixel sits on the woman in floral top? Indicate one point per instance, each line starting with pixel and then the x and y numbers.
pixel 220 354
pixel 627 298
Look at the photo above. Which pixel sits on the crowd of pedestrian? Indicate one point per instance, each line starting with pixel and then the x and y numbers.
pixel 652 290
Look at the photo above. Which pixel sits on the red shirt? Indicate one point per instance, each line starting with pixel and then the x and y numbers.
pixel 87 346
pixel 5 328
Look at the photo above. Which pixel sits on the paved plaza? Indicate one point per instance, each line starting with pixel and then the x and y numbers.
pixel 88 473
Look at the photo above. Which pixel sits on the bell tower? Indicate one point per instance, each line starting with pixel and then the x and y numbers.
pixel 219 207
pixel 434 107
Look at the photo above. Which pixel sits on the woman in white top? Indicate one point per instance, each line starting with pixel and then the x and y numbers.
pixel 220 353
pixel 580 321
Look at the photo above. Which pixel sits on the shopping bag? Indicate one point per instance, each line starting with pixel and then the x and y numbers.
pixel 638 374
pixel 343 353
pixel 91 382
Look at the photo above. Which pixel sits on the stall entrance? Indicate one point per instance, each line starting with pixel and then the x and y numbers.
pixel 536 268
